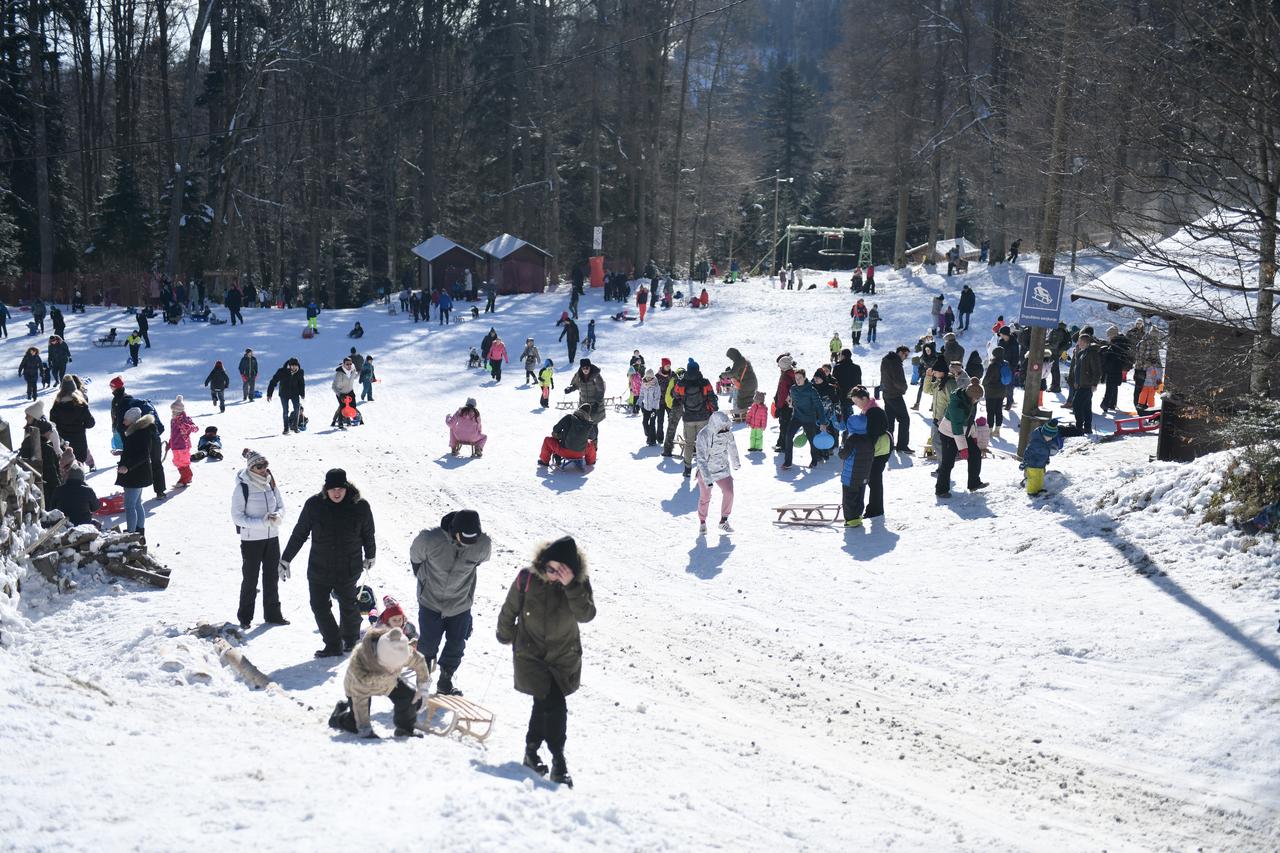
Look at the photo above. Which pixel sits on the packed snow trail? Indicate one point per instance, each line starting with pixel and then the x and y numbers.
pixel 1090 670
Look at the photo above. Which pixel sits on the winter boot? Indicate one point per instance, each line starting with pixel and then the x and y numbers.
pixel 560 772
pixel 335 719
pixel 533 761
pixel 329 651
pixel 444 686
pixel 409 732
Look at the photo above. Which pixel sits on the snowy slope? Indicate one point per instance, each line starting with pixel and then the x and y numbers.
pixel 1092 670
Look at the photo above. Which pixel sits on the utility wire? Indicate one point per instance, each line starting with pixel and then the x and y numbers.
pixel 413 99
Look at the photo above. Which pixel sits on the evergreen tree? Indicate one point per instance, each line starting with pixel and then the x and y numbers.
pixel 9 246
pixel 122 238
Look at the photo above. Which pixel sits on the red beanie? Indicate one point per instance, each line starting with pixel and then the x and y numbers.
pixel 118 382
pixel 392 608
pixel 666 362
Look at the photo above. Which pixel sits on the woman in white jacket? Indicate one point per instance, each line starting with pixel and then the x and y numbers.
pixel 716 455
pixel 258 511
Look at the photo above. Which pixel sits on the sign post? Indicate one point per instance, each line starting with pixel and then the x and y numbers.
pixel 1041 309
pixel 597 239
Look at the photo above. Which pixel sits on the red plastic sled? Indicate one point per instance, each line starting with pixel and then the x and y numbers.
pixel 1150 422
pixel 112 505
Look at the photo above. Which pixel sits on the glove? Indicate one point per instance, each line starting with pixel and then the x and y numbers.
pixel 284 570
pixel 420 699
pixel 368 564
pixel 568 390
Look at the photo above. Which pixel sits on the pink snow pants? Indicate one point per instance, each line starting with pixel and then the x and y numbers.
pixel 704 497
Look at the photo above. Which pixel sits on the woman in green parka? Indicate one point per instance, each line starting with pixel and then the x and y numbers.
pixel 540 621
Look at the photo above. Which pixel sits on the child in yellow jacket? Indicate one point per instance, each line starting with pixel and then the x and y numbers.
pixel 547 380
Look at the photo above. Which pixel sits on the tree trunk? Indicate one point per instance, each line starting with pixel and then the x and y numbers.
pixel 426 150
pixel 44 204
pixel 706 147
pixel 675 166
pixel 182 157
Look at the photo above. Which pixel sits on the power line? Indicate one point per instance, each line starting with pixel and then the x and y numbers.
pixel 413 99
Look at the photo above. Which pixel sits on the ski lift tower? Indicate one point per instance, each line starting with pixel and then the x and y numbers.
pixel 864 253
pixel 834 239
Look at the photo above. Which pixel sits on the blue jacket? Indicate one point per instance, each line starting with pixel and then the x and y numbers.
pixel 858 451
pixel 446 302
pixel 806 404
pixel 1039 449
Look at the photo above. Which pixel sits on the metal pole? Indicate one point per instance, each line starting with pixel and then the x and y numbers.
pixel 788 246
pixel 773 252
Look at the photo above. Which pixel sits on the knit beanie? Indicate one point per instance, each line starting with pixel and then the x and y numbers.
pixel 131 415
pixel 177 405
pixel 759 397
pixel 36 410
pixel 252 457
pixel 335 478
pixel 393 650
pixel 463 523
pixel 1050 429
pixel 390 609
pixel 785 363
pixel 692 365
pixel 116 383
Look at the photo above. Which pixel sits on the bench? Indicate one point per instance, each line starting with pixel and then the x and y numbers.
pixel 458 714
pixel 811 514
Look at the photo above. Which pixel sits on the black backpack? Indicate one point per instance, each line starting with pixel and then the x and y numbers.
pixel 146 407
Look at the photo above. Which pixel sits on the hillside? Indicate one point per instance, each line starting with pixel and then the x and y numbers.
pixel 1091 670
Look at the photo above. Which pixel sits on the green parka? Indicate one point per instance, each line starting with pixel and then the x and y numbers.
pixel 540 622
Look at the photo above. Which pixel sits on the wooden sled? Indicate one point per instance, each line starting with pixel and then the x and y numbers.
pixel 109 342
pixel 1150 422
pixel 457 451
pixel 812 514
pixel 567 405
pixel 460 715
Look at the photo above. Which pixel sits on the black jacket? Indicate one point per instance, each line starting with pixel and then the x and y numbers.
pixel 218 379
pixel 569 331
pixel 136 456
pixel 234 299
pixel 1012 352
pixel 893 381
pixel 30 366
pixel 143 322
pixel 574 432
pixel 848 376
pixel 967 300
pixel 72 420
pixel 291 387
pixel 339 532
pixel 76 500
pixel 695 396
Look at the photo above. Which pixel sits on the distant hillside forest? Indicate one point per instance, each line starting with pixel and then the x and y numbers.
pixel 312 144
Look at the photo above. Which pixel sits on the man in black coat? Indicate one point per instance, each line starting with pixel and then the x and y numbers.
pixel 144 326
pixel 848 376
pixel 293 389
pixel 1012 357
pixel 968 300
pixel 234 301
pixel 893 385
pixel 340 525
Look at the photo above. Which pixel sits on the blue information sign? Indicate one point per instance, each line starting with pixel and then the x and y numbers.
pixel 1042 300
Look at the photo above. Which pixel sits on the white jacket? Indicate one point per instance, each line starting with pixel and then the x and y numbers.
pixel 251 515
pixel 715 451
pixel 344 381
pixel 650 397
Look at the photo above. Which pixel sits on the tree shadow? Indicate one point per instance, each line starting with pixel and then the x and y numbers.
pixel 707 562
pixel 1147 566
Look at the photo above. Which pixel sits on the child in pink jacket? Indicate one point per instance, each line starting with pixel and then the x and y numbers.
pixel 497 355
pixel 634 382
pixel 180 429
pixel 757 419
pixel 464 428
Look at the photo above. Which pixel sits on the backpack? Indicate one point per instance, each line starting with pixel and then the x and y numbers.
pixel 146 407
pixel 244 490
pixel 1006 375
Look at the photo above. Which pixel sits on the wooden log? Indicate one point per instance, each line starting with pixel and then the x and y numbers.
pixel 45 537
pixel 151 564
pixel 47 565
pixel 124 570
pixel 235 659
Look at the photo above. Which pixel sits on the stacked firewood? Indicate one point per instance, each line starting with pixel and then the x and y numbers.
pixel 122 554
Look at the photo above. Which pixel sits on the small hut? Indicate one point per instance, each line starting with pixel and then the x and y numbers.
pixel 968 251
pixel 1212 330
pixel 517 266
pixel 445 265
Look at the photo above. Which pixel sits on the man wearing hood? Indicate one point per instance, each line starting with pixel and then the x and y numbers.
pixel 293 389
pixel 573 437
pixel 744 380
pixel 445 560
pixel 590 386
pixel 340 525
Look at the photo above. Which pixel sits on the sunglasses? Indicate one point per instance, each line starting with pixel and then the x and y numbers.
pixel 261 466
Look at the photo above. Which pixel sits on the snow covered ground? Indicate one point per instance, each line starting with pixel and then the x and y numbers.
pixel 1091 670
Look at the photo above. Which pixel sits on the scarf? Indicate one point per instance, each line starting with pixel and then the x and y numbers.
pixel 260 482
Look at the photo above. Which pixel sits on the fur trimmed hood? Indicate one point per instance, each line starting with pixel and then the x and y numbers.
pixel 548 551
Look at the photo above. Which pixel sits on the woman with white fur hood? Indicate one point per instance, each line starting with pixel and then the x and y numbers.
pixel 374 670
pixel 715 455
pixel 257 509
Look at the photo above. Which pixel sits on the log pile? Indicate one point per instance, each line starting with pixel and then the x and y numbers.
pixel 122 554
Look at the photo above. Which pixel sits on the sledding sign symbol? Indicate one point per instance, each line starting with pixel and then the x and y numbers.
pixel 1042 300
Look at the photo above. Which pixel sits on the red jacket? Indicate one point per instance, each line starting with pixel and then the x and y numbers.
pixel 757 416
pixel 782 396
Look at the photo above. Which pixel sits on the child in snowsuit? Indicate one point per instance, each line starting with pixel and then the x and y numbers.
pixel 634 383
pixel 217 382
pixel 134 342
pixel 757 419
pixel 367 379
pixel 1151 381
pixel 650 398
pixel 530 357
pixel 375 670
pixel 180 429
pixel 716 455
pixel 465 428
pixel 547 380
pixel 210 446
pixel 473 360
pixel 591 336
pixel 835 346
pixel 1044 442
pixel 982 435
